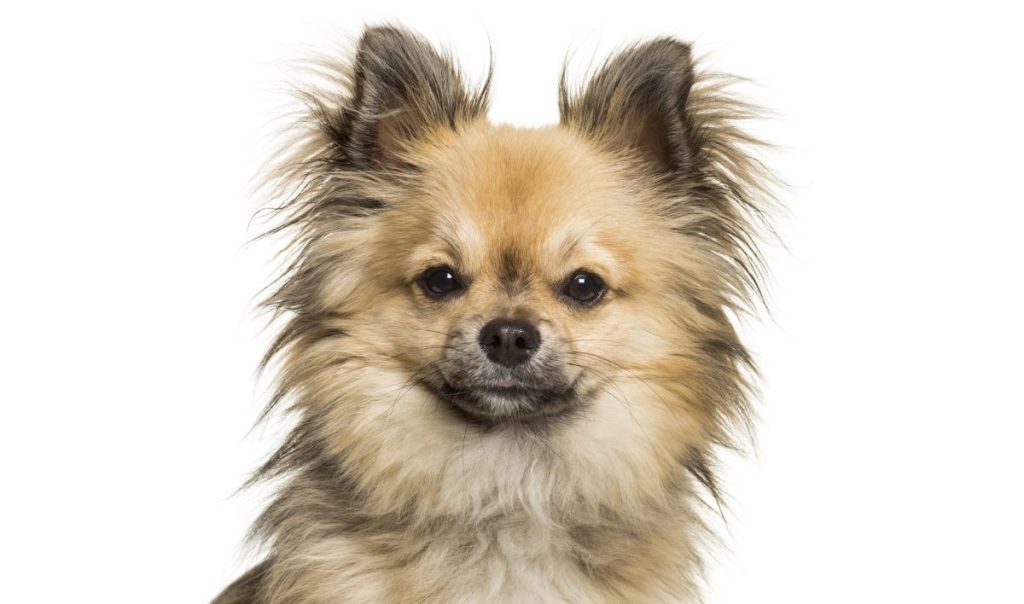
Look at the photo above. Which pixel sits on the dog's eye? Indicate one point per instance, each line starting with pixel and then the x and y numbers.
pixel 584 288
pixel 440 281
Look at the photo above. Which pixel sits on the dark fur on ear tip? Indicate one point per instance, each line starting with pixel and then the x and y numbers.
pixel 637 102
pixel 402 87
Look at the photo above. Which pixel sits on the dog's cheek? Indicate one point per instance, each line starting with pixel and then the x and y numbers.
pixel 347 285
pixel 627 443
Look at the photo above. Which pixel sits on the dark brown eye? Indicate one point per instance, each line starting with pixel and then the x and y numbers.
pixel 585 288
pixel 440 281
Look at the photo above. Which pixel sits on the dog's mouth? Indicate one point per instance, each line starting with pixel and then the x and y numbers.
pixel 502 404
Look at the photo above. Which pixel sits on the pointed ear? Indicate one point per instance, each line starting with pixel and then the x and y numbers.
pixel 637 104
pixel 402 87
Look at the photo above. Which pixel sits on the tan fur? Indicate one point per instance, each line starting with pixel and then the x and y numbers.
pixel 392 498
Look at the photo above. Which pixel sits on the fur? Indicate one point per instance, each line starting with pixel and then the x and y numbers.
pixel 390 494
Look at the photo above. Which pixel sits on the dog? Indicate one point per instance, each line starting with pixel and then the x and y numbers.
pixel 511 354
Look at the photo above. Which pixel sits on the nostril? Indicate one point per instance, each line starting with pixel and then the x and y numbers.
pixel 521 343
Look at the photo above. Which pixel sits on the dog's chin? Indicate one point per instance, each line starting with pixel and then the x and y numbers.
pixel 509 406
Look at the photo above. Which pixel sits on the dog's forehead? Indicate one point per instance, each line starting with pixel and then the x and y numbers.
pixel 519 199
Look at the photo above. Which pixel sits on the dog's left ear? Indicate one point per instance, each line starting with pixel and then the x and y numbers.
pixel 637 104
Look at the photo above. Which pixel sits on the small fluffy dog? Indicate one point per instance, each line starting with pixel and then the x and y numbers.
pixel 510 353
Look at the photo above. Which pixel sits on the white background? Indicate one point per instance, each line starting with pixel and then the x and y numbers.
pixel 889 464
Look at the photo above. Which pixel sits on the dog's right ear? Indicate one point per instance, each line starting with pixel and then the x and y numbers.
pixel 638 103
pixel 402 88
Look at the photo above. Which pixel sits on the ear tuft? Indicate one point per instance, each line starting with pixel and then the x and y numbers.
pixel 402 88
pixel 636 103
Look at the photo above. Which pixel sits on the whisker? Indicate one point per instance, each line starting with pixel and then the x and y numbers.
pixel 622 400
pixel 636 377
pixel 411 382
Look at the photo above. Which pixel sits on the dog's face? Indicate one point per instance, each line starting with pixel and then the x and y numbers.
pixel 542 307
pixel 512 282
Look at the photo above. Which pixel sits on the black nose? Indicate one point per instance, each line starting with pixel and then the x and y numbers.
pixel 509 342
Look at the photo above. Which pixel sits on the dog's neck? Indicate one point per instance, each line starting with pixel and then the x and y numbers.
pixel 572 550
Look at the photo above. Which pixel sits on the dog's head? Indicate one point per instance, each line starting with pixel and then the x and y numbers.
pixel 488 306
